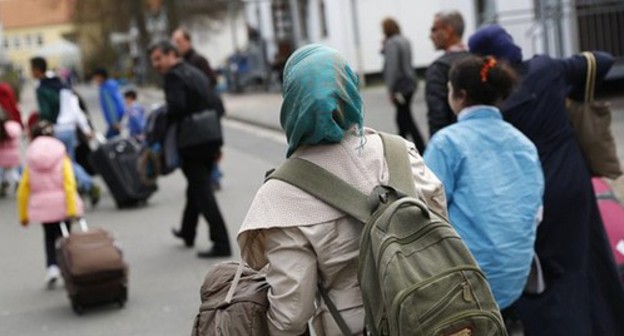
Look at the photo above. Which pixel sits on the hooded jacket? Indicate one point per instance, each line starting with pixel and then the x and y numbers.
pixel 47 192
pixel 9 149
pixel 48 98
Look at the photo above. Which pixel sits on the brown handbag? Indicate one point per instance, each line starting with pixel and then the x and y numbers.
pixel 592 125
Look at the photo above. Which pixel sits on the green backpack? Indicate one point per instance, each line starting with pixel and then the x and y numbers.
pixel 417 276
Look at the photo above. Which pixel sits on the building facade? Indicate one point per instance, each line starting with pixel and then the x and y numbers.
pixel 38 28
pixel 555 27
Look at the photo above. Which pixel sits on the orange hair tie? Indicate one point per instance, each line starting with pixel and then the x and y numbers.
pixel 489 64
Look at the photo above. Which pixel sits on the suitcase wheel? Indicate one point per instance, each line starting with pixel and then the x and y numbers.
pixel 121 303
pixel 77 308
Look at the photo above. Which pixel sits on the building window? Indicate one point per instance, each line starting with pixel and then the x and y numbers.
pixel 40 39
pixel 28 40
pixel 303 19
pixel 16 42
pixel 6 43
pixel 323 16
pixel 486 12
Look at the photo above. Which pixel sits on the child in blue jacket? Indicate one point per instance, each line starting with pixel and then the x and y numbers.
pixel 491 174
pixel 135 119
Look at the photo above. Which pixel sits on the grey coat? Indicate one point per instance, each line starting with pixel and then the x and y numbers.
pixel 397 60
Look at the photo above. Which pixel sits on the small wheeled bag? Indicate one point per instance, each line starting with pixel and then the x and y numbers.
pixel 93 268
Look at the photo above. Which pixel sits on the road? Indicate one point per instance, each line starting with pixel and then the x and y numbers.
pixel 164 276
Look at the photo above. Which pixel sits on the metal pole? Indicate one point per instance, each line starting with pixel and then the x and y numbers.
pixel 232 10
pixel 544 23
pixel 358 43
pixel 296 22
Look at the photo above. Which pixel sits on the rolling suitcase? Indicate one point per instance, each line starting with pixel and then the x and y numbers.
pixel 92 267
pixel 612 213
pixel 117 161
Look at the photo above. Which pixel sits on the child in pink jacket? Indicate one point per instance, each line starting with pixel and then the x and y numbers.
pixel 47 191
pixel 10 133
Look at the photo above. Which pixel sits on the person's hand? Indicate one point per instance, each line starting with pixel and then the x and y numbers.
pixel 391 98
pixel 117 126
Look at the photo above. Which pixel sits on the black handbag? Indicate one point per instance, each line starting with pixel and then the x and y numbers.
pixel 199 128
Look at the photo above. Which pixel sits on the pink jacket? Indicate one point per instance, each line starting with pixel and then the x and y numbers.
pixel 10 149
pixel 47 192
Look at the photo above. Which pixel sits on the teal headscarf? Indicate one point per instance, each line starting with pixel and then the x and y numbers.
pixel 321 97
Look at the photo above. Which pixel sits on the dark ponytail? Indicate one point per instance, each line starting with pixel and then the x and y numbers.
pixel 485 80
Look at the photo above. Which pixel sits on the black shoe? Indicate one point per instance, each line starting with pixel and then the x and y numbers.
pixel 215 253
pixel 178 234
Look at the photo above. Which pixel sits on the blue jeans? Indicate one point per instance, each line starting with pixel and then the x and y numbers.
pixel 215 174
pixel 68 138
pixel 111 133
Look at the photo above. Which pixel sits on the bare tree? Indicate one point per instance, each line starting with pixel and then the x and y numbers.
pixel 96 20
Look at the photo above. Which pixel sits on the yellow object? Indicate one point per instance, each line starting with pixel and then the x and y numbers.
pixel 23 192
pixel 69 184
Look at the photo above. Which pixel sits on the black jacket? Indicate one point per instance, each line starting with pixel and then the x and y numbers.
pixel 439 113
pixel 201 63
pixel 185 93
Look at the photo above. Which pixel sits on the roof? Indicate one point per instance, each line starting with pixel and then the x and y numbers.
pixel 34 13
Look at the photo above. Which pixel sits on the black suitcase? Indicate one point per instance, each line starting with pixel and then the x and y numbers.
pixel 117 162
pixel 93 268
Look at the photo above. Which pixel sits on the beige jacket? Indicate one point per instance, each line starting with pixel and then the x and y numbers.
pixel 304 240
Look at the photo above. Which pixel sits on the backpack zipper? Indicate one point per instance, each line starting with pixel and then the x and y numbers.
pixel 482 313
pixel 404 293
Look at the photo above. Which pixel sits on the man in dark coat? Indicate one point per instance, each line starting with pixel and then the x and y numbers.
pixel 446 35
pixel 182 40
pixel 583 295
pixel 186 94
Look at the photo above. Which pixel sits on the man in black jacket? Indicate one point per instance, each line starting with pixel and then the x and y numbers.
pixel 181 38
pixel 186 94
pixel 446 34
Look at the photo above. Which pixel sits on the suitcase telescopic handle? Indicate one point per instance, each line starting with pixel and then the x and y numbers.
pixel 83 225
pixel 65 230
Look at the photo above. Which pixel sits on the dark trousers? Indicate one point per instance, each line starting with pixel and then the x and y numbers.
pixel 51 232
pixel 200 199
pixel 406 123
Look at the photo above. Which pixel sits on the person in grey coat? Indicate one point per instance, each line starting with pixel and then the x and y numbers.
pixel 400 79
pixel 446 34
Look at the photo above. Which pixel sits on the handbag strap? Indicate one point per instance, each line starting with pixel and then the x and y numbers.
pixel 590 80
pixel 334 311
pixel 237 277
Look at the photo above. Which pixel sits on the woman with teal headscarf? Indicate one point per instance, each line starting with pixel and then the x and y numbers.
pixel 303 240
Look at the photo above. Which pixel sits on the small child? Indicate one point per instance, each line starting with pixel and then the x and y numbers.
pixel 135 116
pixel 492 176
pixel 47 191
pixel 10 133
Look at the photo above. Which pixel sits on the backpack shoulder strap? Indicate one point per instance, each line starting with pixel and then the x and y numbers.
pixel 401 177
pixel 325 186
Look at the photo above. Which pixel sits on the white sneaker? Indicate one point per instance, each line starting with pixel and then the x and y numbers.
pixel 52 276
